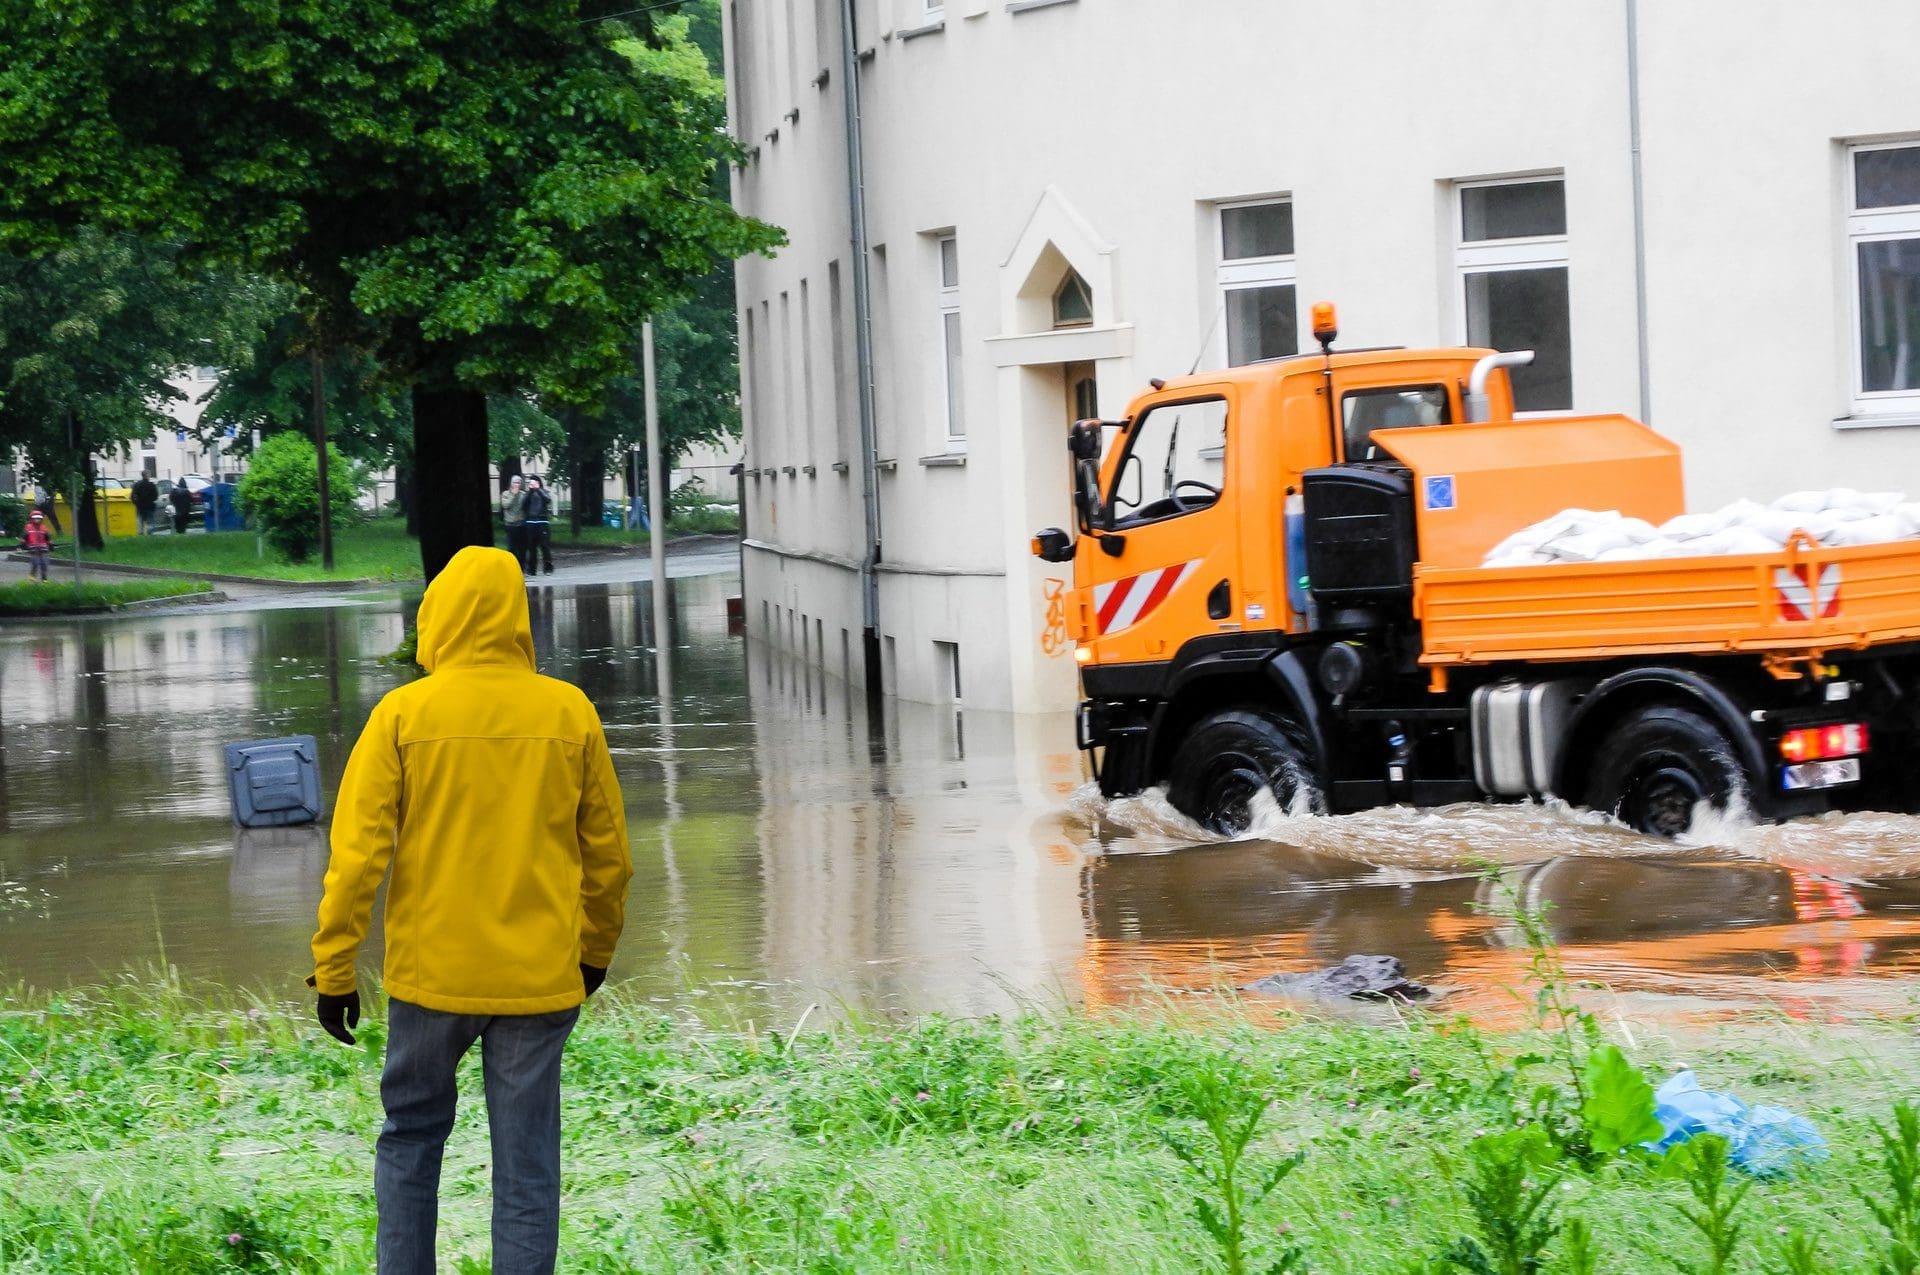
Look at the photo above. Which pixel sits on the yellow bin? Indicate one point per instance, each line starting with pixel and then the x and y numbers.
pixel 115 507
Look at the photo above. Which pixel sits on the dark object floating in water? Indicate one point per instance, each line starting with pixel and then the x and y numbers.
pixel 1365 978
pixel 275 782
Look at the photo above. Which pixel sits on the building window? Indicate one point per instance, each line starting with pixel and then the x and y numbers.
pixel 949 300
pixel 946 660
pixel 1256 278
pixel 1884 232
pixel 1072 302
pixel 1512 258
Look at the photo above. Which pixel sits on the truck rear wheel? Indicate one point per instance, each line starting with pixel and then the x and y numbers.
pixel 1658 764
pixel 1226 759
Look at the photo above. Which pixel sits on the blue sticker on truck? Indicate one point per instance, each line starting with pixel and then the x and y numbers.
pixel 1440 492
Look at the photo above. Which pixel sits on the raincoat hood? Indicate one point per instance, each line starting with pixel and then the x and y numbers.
pixel 475 612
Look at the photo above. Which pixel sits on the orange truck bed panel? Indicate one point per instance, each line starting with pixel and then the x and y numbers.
pixel 1476 484
pixel 1800 601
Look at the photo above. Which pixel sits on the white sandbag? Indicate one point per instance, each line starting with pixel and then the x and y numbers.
pixel 1734 540
pixel 1585 546
pixel 1630 553
pixel 1519 558
pixel 1778 525
pixel 1806 502
pixel 1859 505
pixel 1638 530
pixel 1566 522
pixel 1872 531
pixel 1693 526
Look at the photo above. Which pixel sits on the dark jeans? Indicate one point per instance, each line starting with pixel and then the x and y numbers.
pixel 539 544
pixel 520 1063
pixel 517 543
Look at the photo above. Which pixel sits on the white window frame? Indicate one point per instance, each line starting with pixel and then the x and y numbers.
pixel 947 298
pixel 1486 256
pixel 1234 274
pixel 1874 225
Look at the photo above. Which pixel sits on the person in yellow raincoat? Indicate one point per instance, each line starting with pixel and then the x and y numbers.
pixel 489 792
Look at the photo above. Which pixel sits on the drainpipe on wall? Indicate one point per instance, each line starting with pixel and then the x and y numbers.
pixel 1639 207
pixel 863 354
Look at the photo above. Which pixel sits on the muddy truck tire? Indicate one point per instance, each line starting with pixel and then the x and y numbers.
pixel 1657 764
pixel 1227 758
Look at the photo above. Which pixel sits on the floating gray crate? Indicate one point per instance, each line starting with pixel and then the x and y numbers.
pixel 275 782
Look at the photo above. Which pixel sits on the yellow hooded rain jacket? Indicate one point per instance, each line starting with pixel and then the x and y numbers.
pixel 489 789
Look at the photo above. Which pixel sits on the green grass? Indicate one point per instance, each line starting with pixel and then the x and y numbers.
pixel 54 596
pixel 378 549
pixel 147 1128
pixel 699 520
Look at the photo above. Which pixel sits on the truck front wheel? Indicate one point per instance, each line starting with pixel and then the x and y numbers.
pixel 1229 757
pixel 1656 767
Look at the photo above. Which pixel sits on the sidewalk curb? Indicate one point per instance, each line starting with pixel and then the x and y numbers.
pixel 216 577
pixel 118 608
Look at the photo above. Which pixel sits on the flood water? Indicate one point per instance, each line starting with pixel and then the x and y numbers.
pixel 786 858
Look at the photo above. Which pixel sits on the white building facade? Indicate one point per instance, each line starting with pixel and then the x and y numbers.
pixel 1064 198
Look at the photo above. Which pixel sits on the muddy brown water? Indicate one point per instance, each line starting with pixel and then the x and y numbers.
pixel 786 857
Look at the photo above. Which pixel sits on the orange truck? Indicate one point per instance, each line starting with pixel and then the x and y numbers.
pixel 1278 585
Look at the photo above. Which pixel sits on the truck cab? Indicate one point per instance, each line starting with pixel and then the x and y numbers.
pixel 1266 553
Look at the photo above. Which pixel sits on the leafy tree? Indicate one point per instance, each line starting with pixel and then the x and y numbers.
pixel 281 492
pixel 487 196
pixel 370 420
pixel 91 331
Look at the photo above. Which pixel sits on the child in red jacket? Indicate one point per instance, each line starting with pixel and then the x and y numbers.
pixel 38 544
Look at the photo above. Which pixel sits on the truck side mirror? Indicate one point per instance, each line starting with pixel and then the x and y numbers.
pixel 1083 440
pixel 1053 545
pixel 1086 496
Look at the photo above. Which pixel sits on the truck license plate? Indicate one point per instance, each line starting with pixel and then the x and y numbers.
pixel 1820 774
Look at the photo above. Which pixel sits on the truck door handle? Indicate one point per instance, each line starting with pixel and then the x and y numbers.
pixel 1220 601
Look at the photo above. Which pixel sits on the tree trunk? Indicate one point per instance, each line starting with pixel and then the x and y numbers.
pixel 87 517
pixel 509 466
pixel 589 491
pixel 456 504
pixel 403 491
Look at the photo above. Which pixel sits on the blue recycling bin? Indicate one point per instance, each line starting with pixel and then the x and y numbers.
pixel 220 505
pixel 274 782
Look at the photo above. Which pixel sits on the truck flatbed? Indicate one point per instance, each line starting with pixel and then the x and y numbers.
pixel 1797 603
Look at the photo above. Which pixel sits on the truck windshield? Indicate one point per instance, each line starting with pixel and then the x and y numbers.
pixel 1176 460
pixel 1395 407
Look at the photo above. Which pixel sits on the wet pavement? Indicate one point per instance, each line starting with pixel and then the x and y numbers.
pixel 785 857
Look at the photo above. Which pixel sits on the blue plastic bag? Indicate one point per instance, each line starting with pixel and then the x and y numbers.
pixel 1762 1140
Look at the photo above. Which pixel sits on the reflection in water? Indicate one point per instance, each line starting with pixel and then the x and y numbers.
pixel 955 860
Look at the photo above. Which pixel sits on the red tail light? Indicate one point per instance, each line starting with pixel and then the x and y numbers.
pixel 1817 743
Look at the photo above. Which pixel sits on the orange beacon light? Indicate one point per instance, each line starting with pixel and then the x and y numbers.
pixel 1326 325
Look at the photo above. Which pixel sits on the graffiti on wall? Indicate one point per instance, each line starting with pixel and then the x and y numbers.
pixel 1053 637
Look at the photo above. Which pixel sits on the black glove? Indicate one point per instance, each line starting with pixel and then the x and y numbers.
pixel 337 1013
pixel 592 976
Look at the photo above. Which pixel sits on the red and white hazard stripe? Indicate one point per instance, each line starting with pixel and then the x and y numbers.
pixel 1129 601
pixel 1802 598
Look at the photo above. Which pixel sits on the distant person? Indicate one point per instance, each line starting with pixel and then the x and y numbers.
pixel 489 791
pixel 47 508
pixel 38 544
pixel 182 501
pixel 539 530
pixel 146 498
pixel 513 512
